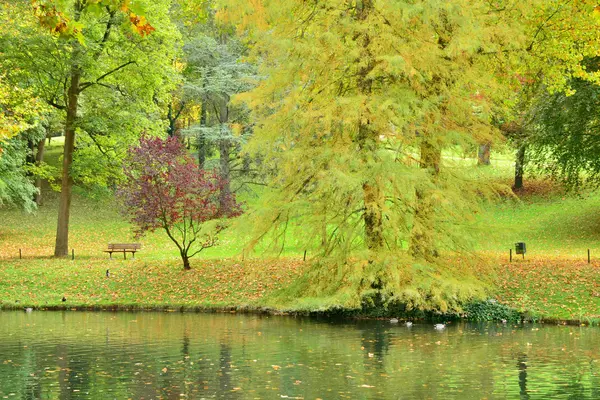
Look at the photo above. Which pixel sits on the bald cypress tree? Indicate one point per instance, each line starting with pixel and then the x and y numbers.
pixel 359 101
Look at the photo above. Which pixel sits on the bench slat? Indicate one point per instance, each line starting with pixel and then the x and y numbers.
pixel 124 246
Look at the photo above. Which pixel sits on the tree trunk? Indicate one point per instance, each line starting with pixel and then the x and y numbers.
pixel 225 174
pixel 186 262
pixel 201 140
pixel 373 195
pixel 39 158
pixel 61 248
pixel 519 167
pixel 224 161
pixel 175 123
pixel 483 154
pixel 373 216
pixel 422 238
pixel 30 157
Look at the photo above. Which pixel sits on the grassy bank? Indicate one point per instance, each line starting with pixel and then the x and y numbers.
pixel 559 288
pixel 42 283
pixel 545 285
pixel 554 282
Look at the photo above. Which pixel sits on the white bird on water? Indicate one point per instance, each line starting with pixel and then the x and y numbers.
pixel 439 327
pixel 28 309
pixel 408 324
pixel 394 320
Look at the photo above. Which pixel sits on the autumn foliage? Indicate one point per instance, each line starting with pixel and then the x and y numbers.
pixel 165 189
pixel 58 22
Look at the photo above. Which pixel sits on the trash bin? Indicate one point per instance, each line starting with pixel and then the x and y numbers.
pixel 520 248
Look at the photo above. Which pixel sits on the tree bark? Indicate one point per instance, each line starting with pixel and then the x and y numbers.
pixel 30 158
pixel 422 238
pixel 186 262
pixel 174 122
pixel 61 248
pixel 171 128
pixel 373 195
pixel 224 161
pixel 483 154
pixel 519 167
pixel 201 140
pixel 39 158
pixel 225 173
pixel 373 216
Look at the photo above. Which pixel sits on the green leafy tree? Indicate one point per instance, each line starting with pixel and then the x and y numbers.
pixel 81 57
pixel 564 139
pixel 554 38
pixel 19 124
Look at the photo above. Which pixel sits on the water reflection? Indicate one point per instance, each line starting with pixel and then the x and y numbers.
pixel 522 366
pixel 72 355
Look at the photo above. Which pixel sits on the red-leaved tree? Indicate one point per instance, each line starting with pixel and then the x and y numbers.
pixel 165 189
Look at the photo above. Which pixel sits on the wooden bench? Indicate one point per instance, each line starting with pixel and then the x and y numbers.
pixel 123 247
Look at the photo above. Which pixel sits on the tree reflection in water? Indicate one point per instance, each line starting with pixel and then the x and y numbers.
pixel 166 355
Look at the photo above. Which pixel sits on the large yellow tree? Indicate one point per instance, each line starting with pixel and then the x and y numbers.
pixel 359 100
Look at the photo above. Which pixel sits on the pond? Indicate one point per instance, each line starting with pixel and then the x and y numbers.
pixel 103 355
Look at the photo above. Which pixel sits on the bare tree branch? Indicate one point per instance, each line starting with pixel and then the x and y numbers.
pixel 86 85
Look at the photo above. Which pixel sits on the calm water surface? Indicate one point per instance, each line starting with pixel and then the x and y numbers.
pixel 77 355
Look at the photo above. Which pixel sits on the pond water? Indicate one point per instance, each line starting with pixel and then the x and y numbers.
pixel 102 355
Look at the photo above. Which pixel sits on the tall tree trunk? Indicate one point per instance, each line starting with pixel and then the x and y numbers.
pixel 422 238
pixel 201 140
pixel 61 248
pixel 30 157
pixel 224 161
pixel 373 195
pixel 225 173
pixel 373 215
pixel 519 166
pixel 174 122
pixel 171 127
pixel 483 154
pixel 39 158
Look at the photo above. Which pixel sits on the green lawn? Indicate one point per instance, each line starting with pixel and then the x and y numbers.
pixel 552 225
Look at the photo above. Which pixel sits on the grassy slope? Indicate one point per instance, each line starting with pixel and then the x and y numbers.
pixel 553 282
pixel 555 279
